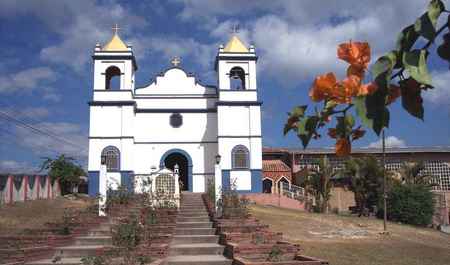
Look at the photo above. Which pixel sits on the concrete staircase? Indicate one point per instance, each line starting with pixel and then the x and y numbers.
pixel 195 241
pixel 83 246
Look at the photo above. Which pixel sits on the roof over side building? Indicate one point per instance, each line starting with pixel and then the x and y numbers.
pixel 393 150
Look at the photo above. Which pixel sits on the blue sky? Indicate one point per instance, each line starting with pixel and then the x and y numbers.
pixel 46 68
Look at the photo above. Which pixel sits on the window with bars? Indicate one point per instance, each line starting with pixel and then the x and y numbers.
pixel 111 158
pixel 240 157
pixel 165 184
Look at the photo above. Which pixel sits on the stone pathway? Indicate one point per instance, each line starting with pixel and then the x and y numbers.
pixel 195 241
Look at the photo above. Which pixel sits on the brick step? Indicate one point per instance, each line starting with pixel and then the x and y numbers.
pixel 195 231
pixel 93 240
pixel 193 219
pixel 194 224
pixel 192 204
pixel 199 206
pixel 196 249
pixel 63 261
pixel 78 251
pixel 201 211
pixel 186 239
pixel 198 260
pixel 181 214
pixel 99 232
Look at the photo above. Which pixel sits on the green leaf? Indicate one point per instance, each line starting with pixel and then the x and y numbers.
pixel 294 116
pixel 349 121
pixel 412 100
pixel 377 111
pixel 330 104
pixel 299 111
pixel 384 64
pixel 426 24
pixel 306 127
pixel 361 111
pixel 406 38
pixel 415 63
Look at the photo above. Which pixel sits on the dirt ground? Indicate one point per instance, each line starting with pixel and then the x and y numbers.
pixel 350 240
pixel 17 217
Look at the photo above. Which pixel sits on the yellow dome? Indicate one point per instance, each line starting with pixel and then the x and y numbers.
pixel 115 44
pixel 235 45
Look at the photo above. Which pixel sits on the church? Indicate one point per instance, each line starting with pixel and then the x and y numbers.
pixel 176 120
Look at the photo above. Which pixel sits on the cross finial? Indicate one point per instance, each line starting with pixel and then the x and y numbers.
pixel 115 29
pixel 175 61
pixel 235 28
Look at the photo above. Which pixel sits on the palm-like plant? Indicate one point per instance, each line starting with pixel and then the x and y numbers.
pixel 365 180
pixel 318 182
pixel 415 173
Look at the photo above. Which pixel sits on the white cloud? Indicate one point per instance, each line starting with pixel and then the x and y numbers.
pixel 391 141
pixel 26 80
pixel 297 40
pixel 27 112
pixel 80 25
pixel 440 95
pixel 71 139
pixel 16 167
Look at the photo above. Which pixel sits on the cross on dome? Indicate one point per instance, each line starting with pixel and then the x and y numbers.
pixel 235 28
pixel 115 29
pixel 175 61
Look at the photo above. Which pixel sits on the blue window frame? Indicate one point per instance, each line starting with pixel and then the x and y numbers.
pixel 240 157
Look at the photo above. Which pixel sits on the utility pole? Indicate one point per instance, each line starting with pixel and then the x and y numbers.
pixel 384 183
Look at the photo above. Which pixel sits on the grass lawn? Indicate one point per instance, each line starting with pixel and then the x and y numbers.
pixel 14 218
pixel 349 240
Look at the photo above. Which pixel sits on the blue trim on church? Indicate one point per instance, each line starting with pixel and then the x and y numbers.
pixel 256 175
pixel 126 179
pixel 188 157
pixel 93 183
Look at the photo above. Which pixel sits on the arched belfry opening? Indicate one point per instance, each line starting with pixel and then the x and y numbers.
pixel 179 159
pixel 237 78
pixel 112 76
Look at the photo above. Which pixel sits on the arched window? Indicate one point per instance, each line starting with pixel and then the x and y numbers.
pixel 111 158
pixel 240 157
pixel 237 78
pixel 112 76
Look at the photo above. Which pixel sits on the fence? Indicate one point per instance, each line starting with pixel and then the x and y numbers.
pixel 22 188
pixel 292 191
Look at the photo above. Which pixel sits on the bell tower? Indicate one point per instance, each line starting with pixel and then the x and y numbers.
pixel 239 117
pixel 114 65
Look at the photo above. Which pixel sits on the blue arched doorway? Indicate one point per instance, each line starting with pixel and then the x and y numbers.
pixel 184 161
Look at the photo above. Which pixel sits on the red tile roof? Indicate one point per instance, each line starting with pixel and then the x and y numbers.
pixel 275 165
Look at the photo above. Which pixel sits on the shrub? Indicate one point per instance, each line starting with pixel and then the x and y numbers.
pixel 233 205
pixel 410 204
pixel 127 236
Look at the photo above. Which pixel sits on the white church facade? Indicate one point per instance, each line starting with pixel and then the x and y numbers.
pixel 176 120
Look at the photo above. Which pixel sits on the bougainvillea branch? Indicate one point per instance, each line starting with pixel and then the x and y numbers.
pixel 369 102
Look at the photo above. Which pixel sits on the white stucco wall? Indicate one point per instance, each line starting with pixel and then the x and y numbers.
pixel 140 127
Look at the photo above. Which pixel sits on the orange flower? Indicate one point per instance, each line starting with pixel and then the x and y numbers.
pixel 343 147
pixel 322 87
pixel 367 89
pixel 346 89
pixel 332 132
pixel 355 53
pixel 356 70
pixel 394 93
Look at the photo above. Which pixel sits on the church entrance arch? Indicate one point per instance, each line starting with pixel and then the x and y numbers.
pixel 183 160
